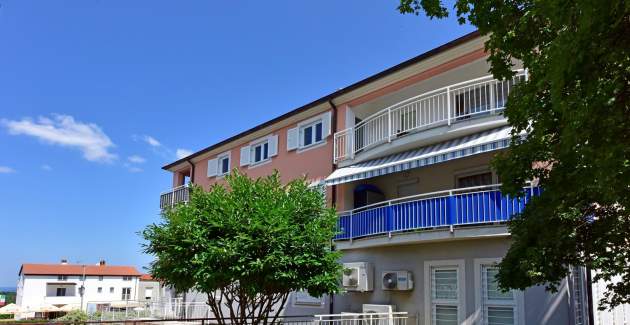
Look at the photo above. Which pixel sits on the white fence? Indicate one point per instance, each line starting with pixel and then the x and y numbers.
pixel 444 106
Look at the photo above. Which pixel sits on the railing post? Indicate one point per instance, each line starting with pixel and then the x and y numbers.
pixel 389 219
pixel 448 105
pixel 352 149
pixel 389 125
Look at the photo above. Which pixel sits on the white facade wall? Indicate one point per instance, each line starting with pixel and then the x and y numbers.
pixel 34 291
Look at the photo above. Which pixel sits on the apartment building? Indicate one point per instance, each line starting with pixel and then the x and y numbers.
pixel 62 287
pixel 404 156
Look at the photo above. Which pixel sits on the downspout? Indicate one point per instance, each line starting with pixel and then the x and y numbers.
pixel 334 187
pixel 192 171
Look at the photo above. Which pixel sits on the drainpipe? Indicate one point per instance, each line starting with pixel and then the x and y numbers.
pixel 334 187
pixel 192 171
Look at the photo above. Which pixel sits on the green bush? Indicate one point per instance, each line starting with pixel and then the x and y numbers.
pixel 77 316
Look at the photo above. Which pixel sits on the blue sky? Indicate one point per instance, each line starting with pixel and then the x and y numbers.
pixel 95 96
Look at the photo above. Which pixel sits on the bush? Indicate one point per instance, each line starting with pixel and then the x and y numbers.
pixel 75 317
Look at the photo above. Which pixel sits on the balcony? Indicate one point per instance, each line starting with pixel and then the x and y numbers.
pixel 174 196
pixel 467 206
pixel 445 106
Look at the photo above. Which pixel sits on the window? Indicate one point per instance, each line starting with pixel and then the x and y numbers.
pixel 444 292
pixel 444 296
pixel 111 289
pixel 100 290
pixel 260 152
pixel 224 165
pixel 479 179
pixel 148 293
pixel 126 293
pixel 61 292
pixel 62 278
pixel 499 307
pixel 100 278
pixel 126 278
pixel 311 134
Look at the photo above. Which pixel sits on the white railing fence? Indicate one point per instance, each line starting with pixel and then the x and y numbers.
pixel 444 106
pixel 175 195
pixel 394 318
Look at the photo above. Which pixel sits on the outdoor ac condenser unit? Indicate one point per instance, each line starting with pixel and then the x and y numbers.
pixel 383 314
pixel 358 276
pixel 397 280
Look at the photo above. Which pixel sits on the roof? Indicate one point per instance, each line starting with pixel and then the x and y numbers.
pixel 77 269
pixel 331 96
pixel 147 277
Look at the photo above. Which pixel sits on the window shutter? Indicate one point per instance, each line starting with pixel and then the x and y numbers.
pixel 273 145
pixel 245 153
pixel 292 139
pixel 326 121
pixel 212 167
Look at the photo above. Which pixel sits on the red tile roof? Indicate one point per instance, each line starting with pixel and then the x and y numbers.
pixel 146 277
pixel 77 269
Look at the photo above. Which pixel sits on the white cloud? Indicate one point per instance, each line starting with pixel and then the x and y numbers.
pixel 64 131
pixel 6 170
pixel 46 167
pixel 151 141
pixel 181 153
pixel 136 159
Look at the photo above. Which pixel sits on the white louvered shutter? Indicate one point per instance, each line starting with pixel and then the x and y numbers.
pixel 212 167
pixel 326 121
pixel 245 153
pixel 292 139
pixel 273 145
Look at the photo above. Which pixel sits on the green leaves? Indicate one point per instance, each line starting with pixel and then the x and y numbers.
pixel 266 237
pixel 576 109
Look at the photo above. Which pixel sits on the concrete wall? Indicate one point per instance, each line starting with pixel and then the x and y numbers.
pixel 540 307
pixel 156 291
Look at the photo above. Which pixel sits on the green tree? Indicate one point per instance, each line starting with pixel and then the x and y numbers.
pixel 575 108
pixel 247 245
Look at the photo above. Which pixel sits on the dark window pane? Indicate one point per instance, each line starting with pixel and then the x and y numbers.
pixel 475 180
pixel 225 165
pixel 318 132
pixel 257 153
pixel 308 135
pixel 265 150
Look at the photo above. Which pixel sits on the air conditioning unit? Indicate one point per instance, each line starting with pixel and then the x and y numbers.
pixel 397 280
pixel 358 277
pixel 378 309
pixel 383 314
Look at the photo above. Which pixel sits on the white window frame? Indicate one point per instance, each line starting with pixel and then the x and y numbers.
pixel 148 290
pixel 429 303
pixel 518 303
pixel 304 300
pixel 252 152
pixel 62 278
pixel 302 129
pixel 220 158
pixel 99 290
pixel 126 277
pixel 312 122
pixel 126 293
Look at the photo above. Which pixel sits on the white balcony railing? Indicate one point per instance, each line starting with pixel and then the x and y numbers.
pixel 175 195
pixel 392 318
pixel 444 106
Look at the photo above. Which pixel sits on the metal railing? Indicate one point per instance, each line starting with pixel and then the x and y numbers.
pixel 172 197
pixel 465 206
pixel 393 318
pixel 444 106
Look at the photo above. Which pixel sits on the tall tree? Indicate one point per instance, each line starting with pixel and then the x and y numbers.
pixel 575 109
pixel 247 245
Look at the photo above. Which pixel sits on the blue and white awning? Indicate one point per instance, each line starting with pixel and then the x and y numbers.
pixel 473 144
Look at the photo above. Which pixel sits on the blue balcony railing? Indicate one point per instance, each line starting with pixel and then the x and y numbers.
pixel 467 206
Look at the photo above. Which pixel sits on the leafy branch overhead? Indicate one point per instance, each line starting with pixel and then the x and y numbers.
pixel 575 107
pixel 247 245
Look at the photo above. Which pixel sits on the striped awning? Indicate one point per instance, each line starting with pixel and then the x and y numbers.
pixel 473 144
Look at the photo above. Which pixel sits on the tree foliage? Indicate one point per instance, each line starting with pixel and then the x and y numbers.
pixel 575 108
pixel 247 245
